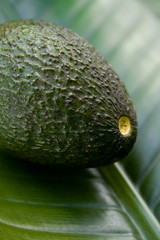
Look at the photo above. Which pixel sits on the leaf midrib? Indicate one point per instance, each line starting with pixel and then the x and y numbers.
pixel 132 201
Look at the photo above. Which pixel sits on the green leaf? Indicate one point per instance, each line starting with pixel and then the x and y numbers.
pixel 153 6
pixel 42 203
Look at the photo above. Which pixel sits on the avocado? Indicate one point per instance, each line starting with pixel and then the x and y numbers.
pixel 61 103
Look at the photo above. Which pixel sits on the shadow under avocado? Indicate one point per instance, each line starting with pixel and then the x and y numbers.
pixel 27 188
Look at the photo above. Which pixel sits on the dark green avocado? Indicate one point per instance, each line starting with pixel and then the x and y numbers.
pixel 61 103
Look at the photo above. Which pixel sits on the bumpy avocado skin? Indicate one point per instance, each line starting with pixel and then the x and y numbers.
pixel 60 101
